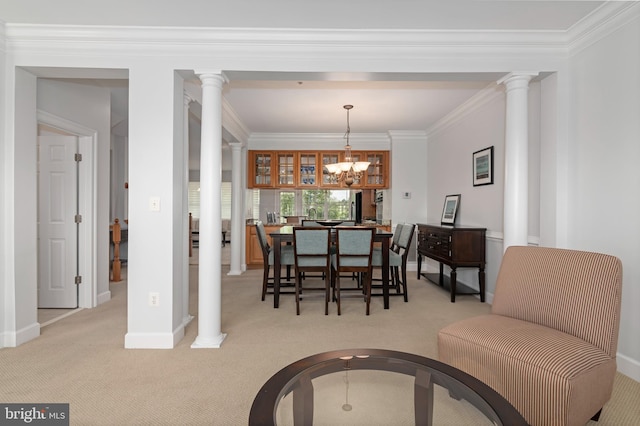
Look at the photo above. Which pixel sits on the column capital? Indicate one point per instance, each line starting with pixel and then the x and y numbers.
pixel 236 145
pixel 211 75
pixel 186 98
pixel 517 78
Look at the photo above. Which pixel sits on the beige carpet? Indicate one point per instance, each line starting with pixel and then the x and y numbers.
pixel 81 360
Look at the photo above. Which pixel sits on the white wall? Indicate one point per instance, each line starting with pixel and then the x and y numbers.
pixel 153 172
pixel 88 106
pixel 21 180
pixel 4 282
pixel 408 174
pixel 604 177
pixel 476 125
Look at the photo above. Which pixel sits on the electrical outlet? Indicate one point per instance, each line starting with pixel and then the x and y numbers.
pixel 154 299
pixel 406 195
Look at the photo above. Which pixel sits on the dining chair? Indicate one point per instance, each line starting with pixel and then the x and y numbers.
pixel 311 248
pixel 398 254
pixel 286 258
pixel 307 222
pixel 377 250
pixel 354 248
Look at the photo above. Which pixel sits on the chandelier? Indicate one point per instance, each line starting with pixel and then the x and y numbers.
pixel 347 171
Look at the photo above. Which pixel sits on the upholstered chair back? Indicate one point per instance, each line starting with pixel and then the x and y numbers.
pixel 575 292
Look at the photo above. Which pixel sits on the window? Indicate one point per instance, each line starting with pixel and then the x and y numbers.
pixel 226 200
pixel 287 203
pixel 339 204
pixel 225 197
pixel 194 199
pixel 314 203
pixel 326 204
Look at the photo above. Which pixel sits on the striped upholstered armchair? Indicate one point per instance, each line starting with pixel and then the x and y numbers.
pixel 549 344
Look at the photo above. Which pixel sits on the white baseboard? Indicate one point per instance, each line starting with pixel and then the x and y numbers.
pixel 154 340
pixel 11 339
pixel 628 366
pixel 104 297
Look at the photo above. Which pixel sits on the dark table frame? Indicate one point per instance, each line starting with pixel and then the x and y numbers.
pixel 297 378
pixel 285 235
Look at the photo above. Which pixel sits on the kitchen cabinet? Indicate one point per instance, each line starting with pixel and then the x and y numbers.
pixel 260 169
pixel 328 157
pixel 378 172
pixel 305 169
pixel 286 169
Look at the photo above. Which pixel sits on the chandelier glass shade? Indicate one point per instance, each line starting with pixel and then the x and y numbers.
pixel 347 171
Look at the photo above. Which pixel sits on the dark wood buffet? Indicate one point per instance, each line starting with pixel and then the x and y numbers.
pixel 456 247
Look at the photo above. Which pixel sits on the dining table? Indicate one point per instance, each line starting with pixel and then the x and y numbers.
pixel 285 236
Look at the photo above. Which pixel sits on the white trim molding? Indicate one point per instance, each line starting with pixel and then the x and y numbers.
pixel 475 103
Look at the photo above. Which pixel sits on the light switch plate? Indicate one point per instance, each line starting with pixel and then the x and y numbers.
pixel 154 204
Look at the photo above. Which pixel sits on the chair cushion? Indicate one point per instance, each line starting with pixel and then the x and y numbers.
pixel 532 366
pixel 395 259
pixel 357 261
pixel 312 261
pixel 286 255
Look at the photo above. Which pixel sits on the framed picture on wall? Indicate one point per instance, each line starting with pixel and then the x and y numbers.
pixel 483 167
pixel 450 209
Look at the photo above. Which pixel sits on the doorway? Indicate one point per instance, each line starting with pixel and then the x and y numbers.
pixel 83 261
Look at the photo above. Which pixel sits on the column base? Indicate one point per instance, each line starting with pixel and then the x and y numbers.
pixel 208 343
pixel 235 272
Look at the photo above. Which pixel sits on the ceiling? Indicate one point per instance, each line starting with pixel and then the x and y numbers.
pixel 312 102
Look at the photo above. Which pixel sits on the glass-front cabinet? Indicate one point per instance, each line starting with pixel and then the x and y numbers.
pixel 260 169
pixel 286 169
pixel 328 157
pixel 377 171
pixel 307 170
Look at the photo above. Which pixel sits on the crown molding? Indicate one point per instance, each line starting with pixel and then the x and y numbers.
pixel 606 19
pixel 407 135
pixel 180 41
pixel 233 42
pixel 232 123
pixel 318 141
pixel 475 103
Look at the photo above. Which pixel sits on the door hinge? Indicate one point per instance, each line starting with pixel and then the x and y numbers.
pixel 78 279
pixel 78 218
pixel 78 157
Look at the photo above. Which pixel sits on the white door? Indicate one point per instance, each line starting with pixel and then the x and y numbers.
pixel 57 228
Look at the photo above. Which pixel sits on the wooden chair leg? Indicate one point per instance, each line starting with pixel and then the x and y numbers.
pixel 327 286
pixel 596 416
pixel 265 280
pixel 367 284
pixel 404 284
pixel 297 284
pixel 337 292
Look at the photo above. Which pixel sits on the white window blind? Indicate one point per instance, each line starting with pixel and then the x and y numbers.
pixel 194 199
pixel 226 200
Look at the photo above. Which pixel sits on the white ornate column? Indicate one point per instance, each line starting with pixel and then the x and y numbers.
pixel 516 160
pixel 186 317
pixel 237 217
pixel 210 255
